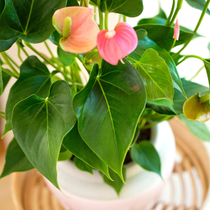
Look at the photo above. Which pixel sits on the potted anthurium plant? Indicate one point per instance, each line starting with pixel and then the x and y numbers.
pixel 132 84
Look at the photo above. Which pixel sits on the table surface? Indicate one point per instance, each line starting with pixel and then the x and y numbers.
pixel 6 202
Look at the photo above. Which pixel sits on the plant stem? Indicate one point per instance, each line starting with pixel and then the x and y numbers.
pixel 1 112
pixel 178 7
pixel 22 48
pixel 40 55
pixel 1 116
pixel 19 55
pixel 174 42
pixel 190 56
pixel 197 73
pixel 195 30
pixel 81 2
pixel 101 22
pixel 124 18
pixel 12 60
pixel 9 64
pixel 171 13
pixel 9 73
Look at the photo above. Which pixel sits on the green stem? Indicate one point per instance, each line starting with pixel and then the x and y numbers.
pixel 171 13
pixel 9 64
pixel 179 6
pixel 53 57
pixel 1 116
pixel 12 60
pixel 19 55
pixel 1 112
pixel 106 17
pixel 195 30
pixel 190 56
pixel 22 48
pixel 9 73
pixel 40 55
pixel 174 42
pixel 101 22
pixel 197 73
pixel 95 11
pixel 124 18
pixel 81 2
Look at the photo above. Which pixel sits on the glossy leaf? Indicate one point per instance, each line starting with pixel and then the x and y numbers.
pixel 55 37
pixel 64 155
pixel 66 58
pixel 32 19
pixel 16 161
pixel 2 5
pixel 198 129
pixel 117 183
pixel 156 76
pixel 110 106
pixel 82 166
pixel 74 143
pixel 6 44
pixel 4 79
pixel 146 156
pixel 40 124
pixel 130 8
pixel 145 43
pixel 163 35
pixel 207 67
pixel 34 79
pixel 72 3
pixel 198 4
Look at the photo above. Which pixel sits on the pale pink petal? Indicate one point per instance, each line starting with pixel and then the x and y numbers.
pixel 84 30
pixel 176 30
pixel 114 46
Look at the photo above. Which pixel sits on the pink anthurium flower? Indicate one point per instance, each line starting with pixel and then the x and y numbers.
pixel 77 27
pixel 176 30
pixel 116 44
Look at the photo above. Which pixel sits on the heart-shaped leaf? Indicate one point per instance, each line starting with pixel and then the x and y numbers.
pixel 66 58
pixel 16 161
pixel 198 4
pixel 110 106
pixel 34 79
pixel 74 143
pixel 156 76
pixel 146 156
pixel 130 8
pixel 145 43
pixel 33 19
pixel 40 124
pixel 6 44
pixel 163 35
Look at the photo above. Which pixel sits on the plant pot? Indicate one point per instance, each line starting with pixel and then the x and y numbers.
pixel 88 192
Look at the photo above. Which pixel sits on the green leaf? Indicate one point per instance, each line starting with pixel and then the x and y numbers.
pixel 110 106
pixel 2 5
pixel 117 183
pixel 55 37
pixel 72 3
pixel 198 4
pixel 6 44
pixel 198 129
pixel 64 155
pixel 130 8
pixel 145 43
pixel 163 35
pixel 74 143
pixel 146 156
pixel 82 165
pixel 16 161
pixel 40 124
pixel 33 19
pixel 156 76
pixel 66 58
pixel 4 79
pixel 207 67
pixel 34 79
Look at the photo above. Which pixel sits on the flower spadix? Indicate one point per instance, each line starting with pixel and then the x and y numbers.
pixel 116 44
pixel 77 27
pixel 197 108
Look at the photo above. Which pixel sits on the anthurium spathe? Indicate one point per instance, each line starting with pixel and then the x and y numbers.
pixel 176 30
pixel 77 27
pixel 116 44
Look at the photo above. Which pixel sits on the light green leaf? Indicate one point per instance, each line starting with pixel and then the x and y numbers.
pixel 40 124
pixel 117 183
pixel 146 156
pixel 34 79
pixel 16 161
pixel 110 106
pixel 74 143
pixel 198 129
pixel 82 165
pixel 66 58
pixel 156 76
pixel 198 4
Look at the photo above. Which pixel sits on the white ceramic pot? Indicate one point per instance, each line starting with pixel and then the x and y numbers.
pixel 88 192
